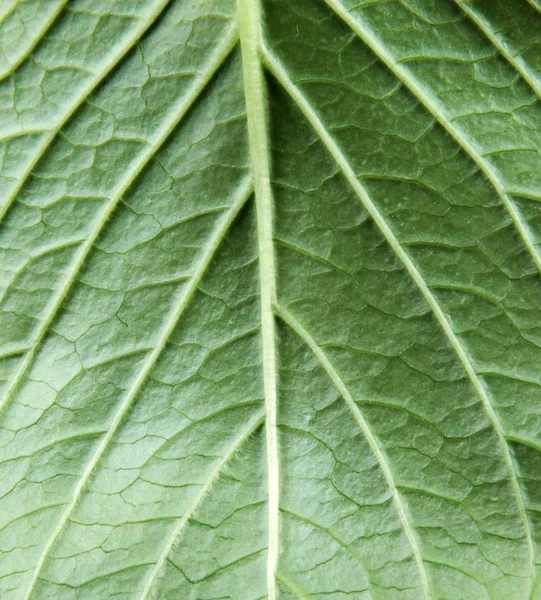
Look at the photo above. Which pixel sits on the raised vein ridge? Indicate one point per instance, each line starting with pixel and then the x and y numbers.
pixel 365 428
pixel 178 529
pixel 514 61
pixel 249 23
pixel 107 68
pixel 432 105
pixel 281 75
pixel 177 114
pixel 37 38
pixel 291 586
pixel 182 302
pixel 533 4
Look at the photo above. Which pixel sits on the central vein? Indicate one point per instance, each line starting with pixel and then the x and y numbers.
pixel 249 22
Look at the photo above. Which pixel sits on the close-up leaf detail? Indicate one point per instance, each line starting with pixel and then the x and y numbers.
pixel 270 299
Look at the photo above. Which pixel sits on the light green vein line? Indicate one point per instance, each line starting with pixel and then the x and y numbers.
pixel 433 106
pixel 181 523
pixel 514 61
pixel 7 9
pixel 533 444
pixel 249 23
pixel 35 41
pixel 333 536
pixel 17 132
pixel 185 296
pixel 534 5
pixel 107 68
pixel 291 587
pixel 373 442
pixel 14 277
pixel 178 111
pixel 416 276
pixel 10 352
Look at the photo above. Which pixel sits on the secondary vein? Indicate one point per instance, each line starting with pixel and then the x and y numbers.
pixel 513 60
pixel 180 525
pixel 365 428
pixel 178 112
pixel 249 23
pixel 35 41
pixel 341 161
pixel 107 68
pixel 180 306
pixel 432 105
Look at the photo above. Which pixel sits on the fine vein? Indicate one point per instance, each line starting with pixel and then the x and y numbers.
pixel 6 10
pixel 329 142
pixel 249 23
pixel 432 105
pixel 513 60
pixel 107 68
pixel 183 300
pixel 533 4
pixel 290 586
pixel 36 40
pixel 178 112
pixel 181 523
pixel 365 428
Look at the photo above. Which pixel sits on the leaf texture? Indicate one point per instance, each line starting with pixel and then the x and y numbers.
pixel 270 299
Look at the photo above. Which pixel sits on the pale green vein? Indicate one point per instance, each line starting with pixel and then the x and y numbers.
pixel 336 538
pixel 533 444
pixel 7 9
pixel 433 106
pixel 178 111
pixel 373 442
pixel 249 22
pixel 185 296
pixel 514 61
pixel 38 35
pixel 291 587
pixel 13 351
pixel 329 142
pixel 181 523
pixel 534 5
pixel 18 132
pixel 106 69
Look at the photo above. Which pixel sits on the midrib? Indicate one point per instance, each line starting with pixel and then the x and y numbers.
pixel 249 23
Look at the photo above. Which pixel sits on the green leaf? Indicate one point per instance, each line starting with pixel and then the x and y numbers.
pixel 270 299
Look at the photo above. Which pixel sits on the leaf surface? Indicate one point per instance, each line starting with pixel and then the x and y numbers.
pixel 270 299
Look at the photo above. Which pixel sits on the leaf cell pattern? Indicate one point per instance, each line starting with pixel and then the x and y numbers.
pixel 270 299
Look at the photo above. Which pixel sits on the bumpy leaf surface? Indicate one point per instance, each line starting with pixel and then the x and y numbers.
pixel 270 299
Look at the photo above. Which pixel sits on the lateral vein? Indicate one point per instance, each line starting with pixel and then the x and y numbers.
pixel 432 105
pixel 249 23
pixel 34 42
pixel 534 5
pixel 341 161
pixel 178 111
pixel 93 85
pixel 365 428
pixel 514 61
pixel 182 303
pixel 178 529
pixel 290 586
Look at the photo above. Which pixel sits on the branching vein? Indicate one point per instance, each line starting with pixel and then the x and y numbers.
pixel 180 306
pixel 111 64
pixel 373 442
pixel 182 106
pixel 249 22
pixel 38 36
pixel 178 529
pixel 433 106
pixel 331 145
pixel 514 61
